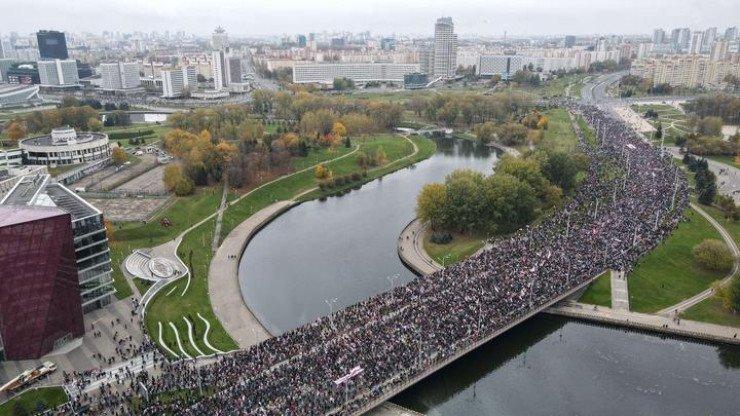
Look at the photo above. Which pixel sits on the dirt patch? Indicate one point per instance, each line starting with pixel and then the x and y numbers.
pixel 128 209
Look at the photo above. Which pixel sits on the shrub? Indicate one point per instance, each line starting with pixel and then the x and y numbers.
pixel 713 254
pixel 441 238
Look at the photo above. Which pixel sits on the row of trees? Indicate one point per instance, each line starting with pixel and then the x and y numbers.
pixel 725 106
pixel 467 109
pixel 706 182
pixel 514 195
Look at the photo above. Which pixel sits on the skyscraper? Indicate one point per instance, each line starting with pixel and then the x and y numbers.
pixel 219 39
pixel 697 39
pixel 731 33
pixel 218 66
pixel 570 41
pixel 684 38
pixel 445 48
pixel 52 44
pixel 658 36
pixel 710 35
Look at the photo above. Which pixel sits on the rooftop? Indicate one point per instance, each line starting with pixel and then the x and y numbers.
pixel 11 215
pixel 37 191
pixel 47 139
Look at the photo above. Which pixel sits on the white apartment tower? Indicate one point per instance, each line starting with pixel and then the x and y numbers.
pixel 119 76
pixel 58 72
pixel 218 66
pixel 697 39
pixel 176 81
pixel 445 48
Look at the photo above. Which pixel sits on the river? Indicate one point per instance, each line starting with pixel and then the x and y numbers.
pixel 336 252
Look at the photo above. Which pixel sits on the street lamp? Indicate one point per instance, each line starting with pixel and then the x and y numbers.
pixel 330 303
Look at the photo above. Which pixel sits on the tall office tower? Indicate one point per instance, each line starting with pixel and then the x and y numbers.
pixel 58 72
pixel 719 50
pixel 731 33
pixel 40 305
pixel 710 35
pixel 302 41
pixel 219 39
pixel 218 68
pixel 175 81
pixel 696 42
pixel 445 48
pixel 570 41
pixel 658 36
pixel 52 44
pixel 119 76
pixel 2 48
pixel 684 39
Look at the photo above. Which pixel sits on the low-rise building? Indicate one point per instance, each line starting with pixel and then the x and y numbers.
pixel 325 73
pixel 64 146
pixel 17 95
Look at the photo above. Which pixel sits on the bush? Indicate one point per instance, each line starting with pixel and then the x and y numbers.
pixel 184 187
pixel 441 238
pixel 713 254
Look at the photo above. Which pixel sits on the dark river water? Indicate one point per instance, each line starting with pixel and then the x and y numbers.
pixel 342 250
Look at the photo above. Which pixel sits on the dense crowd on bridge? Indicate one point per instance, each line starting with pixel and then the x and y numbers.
pixel 631 200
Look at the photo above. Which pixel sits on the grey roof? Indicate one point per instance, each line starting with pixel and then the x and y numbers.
pixel 35 190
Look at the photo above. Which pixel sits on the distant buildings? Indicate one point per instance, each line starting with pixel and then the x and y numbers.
pixel 52 45
pixel 324 73
pixel 569 41
pixel 686 70
pixel 119 76
pixel 176 82
pixel 697 41
pixel 445 48
pixel 58 73
pixel 416 80
pixel 16 95
pixel 502 65
pixel 659 36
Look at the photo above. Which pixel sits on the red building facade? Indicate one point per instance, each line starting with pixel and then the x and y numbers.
pixel 40 305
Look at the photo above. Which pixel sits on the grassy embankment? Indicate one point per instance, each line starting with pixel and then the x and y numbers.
pixel 174 307
pixel 666 275
pixel 711 310
pixel 31 401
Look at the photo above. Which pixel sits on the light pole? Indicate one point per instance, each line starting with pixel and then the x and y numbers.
pixel 330 303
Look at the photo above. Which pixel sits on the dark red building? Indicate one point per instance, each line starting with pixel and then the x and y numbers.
pixel 40 305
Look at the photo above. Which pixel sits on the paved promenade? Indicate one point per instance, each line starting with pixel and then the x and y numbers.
pixel 648 322
pixel 620 293
pixel 223 279
pixel 411 249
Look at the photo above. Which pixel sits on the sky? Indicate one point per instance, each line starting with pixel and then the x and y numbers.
pixel 278 17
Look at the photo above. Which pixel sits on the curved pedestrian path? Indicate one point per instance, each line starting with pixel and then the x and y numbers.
pixel 411 249
pixel 727 237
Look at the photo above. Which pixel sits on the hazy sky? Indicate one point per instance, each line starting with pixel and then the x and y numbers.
pixel 260 17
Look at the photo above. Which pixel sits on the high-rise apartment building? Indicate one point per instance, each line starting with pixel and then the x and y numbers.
pixel 719 50
pixel 710 35
pixel 445 48
pixel 226 69
pixel 697 40
pixel 177 81
pixel 658 36
pixel 118 76
pixel 52 44
pixel 684 38
pixel 570 41
pixel 731 33
pixel 58 72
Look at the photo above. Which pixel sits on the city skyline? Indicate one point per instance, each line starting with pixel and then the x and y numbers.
pixel 472 17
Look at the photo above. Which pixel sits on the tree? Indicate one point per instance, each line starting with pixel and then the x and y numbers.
pixel 485 132
pixel 512 134
pixel 15 131
pixel 710 126
pixel 321 172
pixel 94 124
pixel 729 294
pixel 510 202
pixel 172 174
pixel 119 156
pixel 713 254
pixel 184 187
pixel 561 169
pixel 431 204
pixel 338 129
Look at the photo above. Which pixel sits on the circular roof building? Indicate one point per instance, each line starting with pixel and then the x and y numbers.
pixel 65 146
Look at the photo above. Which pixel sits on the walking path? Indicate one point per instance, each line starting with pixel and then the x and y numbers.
pixel 688 303
pixel 620 293
pixel 220 216
pixel 223 279
pixel 411 249
pixel 649 322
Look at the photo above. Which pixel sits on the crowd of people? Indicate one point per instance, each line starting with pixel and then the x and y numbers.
pixel 630 201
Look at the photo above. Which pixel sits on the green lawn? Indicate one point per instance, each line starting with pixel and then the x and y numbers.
pixel 33 400
pixel 559 135
pixel 460 248
pixel 672 120
pixel 668 274
pixel 173 307
pixel 599 292
pixel 711 311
